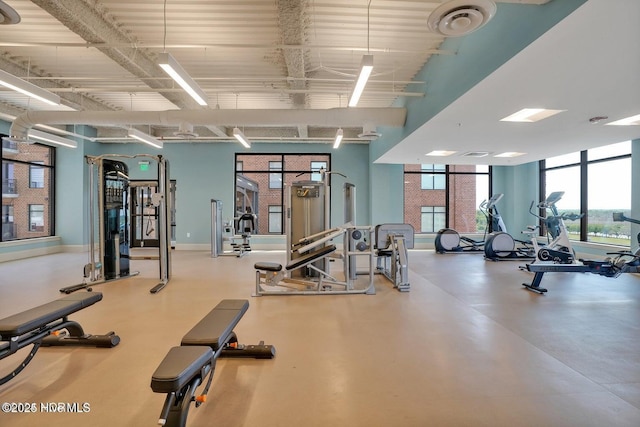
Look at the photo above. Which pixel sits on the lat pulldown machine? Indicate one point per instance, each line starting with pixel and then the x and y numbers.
pixel 110 194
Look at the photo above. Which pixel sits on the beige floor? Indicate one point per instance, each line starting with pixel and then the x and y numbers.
pixel 468 346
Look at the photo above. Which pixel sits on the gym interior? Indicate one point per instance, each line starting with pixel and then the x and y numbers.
pixel 307 317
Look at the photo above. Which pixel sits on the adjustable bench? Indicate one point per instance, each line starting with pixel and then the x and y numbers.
pixel 185 367
pixel 42 325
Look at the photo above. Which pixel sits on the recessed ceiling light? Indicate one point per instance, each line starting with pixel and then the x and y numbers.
pixel 440 153
pixel 530 115
pixel 629 121
pixel 510 154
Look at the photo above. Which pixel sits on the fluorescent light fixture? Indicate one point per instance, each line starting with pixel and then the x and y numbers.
pixel 237 133
pixel 530 115
pixel 338 139
pixel 366 67
pixel 177 73
pixel 147 139
pixel 510 154
pixel 54 139
pixel 440 153
pixel 29 89
pixel 629 121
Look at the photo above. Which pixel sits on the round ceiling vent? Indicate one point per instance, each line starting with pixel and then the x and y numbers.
pixel 460 17
pixel 8 15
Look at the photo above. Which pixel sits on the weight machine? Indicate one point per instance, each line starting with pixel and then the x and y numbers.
pixel 110 193
pixel 310 245
pixel 392 242
pixel 221 233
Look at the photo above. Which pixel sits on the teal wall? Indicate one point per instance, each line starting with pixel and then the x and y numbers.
pixel 519 184
pixel 205 171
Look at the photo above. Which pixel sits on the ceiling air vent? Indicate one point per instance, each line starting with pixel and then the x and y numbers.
pixel 185 130
pixel 460 17
pixel 369 132
pixel 8 15
pixel 476 154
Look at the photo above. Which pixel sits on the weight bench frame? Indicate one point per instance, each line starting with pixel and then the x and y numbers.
pixel 186 367
pixel 43 326
pixel 272 274
pixel 392 242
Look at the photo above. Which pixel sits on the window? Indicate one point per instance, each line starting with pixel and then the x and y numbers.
pixel 28 192
pixel 36 175
pixel 36 217
pixel 595 182
pixel 275 179
pixel 262 181
pixel 432 218
pixel 9 188
pixel 440 196
pixel 8 226
pixel 315 168
pixel 433 177
pixel 275 219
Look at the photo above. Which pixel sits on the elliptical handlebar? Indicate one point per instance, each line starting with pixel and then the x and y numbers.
pixel 619 217
pixel 571 216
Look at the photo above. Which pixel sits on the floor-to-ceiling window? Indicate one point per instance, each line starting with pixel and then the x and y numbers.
pixel 597 183
pixel 438 196
pixel 27 190
pixel 261 179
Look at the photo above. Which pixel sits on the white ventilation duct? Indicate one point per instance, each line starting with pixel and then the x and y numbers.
pixel 335 117
pixel 457 18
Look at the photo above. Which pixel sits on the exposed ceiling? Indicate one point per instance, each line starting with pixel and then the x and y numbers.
pixel 295 59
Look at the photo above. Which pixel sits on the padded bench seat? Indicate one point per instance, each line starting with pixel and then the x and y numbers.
pixel 38 317
pixel 180 366
pixel 216 327
pixel 268 266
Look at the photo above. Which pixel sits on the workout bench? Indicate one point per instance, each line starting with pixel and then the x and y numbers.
pixel 184 368
pixel 42 326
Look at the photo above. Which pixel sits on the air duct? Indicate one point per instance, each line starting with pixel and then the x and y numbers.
pixel 334 117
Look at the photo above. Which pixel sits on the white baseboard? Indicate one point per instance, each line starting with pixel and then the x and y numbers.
pixel 31 249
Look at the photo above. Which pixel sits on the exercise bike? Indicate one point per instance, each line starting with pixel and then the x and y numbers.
pixel 449 240
pixel 558 248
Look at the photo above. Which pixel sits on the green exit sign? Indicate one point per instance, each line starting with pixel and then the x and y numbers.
pixel 144 166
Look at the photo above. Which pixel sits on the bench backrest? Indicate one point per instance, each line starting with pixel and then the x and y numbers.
pixel 37 317
pixel 215 328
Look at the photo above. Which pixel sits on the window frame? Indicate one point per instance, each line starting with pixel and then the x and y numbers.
pixel 583 167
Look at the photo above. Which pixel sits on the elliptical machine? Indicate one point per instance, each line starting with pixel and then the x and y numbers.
pixel 558 249
pixel 449 240
pixel 501 246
